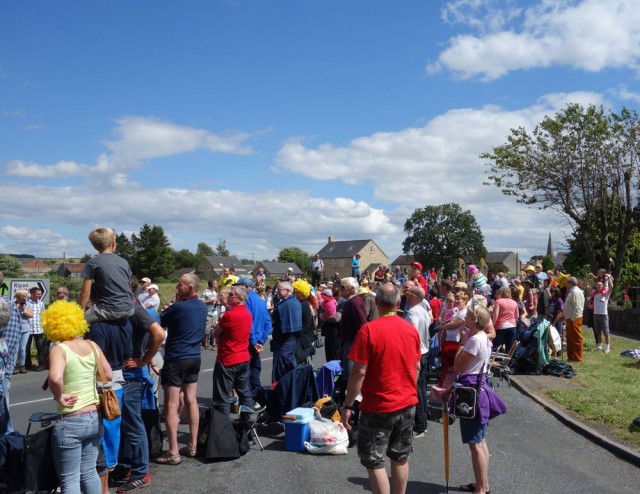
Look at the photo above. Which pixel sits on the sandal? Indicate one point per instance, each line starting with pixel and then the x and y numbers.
pixel 169 459
pixel 187 451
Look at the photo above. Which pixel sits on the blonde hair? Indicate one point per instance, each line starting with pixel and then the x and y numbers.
pixel 463 295
pixel 504 292
pixel 451 297
pixel 22 294
pixel 481 315
pixel 64 321
pixel 102 238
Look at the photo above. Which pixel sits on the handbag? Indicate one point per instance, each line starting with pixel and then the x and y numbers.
pixel 109 404
pixel 465 399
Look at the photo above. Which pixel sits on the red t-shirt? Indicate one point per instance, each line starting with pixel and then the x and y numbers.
pixel 422 282
pixel 390 347
pixel 233 342
pixel 436 305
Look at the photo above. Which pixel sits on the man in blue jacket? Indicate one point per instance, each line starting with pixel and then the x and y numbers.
pixel 260 331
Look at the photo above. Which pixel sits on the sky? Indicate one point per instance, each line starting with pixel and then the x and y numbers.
pixel 276 123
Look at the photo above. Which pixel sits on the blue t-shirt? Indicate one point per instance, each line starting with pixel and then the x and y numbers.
pixel 185 322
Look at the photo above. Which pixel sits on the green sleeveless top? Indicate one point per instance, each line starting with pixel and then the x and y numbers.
pixel 79 379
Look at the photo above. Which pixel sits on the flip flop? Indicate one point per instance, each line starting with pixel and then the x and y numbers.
pixel 168 459
pixel 470 487
pixel 187 451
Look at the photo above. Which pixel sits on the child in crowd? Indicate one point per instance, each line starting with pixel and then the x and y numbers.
pixel 449 310
pixel 329 304
pixel 107 276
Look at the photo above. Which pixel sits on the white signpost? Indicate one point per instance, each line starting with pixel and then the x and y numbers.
pixel 27 284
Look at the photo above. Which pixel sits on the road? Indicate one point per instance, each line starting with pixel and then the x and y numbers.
pixel 531 452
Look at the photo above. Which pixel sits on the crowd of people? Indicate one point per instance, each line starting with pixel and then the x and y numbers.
pixel 119 330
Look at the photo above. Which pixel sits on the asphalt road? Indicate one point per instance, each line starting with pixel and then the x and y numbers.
pixel 531 452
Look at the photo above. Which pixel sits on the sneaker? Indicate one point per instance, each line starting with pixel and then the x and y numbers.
pixel 417 435
pixel 134 485
pixel 608 349
pixel 599 346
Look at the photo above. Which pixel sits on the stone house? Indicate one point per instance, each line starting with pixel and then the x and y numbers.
pixel 210 268
pixel 70 270
pixel 337 256
pixel 509 259
pixel 278 269
pixel 35 267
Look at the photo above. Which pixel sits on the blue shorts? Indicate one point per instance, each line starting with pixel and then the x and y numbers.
pixel 472 431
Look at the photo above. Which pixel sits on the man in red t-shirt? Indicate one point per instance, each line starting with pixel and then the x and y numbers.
pixel 232 363
pixel 386 361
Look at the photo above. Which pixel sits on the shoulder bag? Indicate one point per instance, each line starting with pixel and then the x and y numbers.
pixel 109 403
pixel 465 399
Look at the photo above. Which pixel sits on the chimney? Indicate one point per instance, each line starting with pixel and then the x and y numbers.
pixel 330 238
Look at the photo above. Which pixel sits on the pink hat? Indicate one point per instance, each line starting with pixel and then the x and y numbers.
pixel 472 269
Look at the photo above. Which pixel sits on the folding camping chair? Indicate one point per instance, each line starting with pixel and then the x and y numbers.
pixel 499 364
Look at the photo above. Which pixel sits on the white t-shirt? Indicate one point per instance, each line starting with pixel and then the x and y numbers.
pixel 480 347
pixel 420 320
pixel 454 334
pixel 600 307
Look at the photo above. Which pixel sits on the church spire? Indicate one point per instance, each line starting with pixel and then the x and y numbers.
pixel 550 247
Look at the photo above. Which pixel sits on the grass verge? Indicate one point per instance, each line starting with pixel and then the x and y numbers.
pixel 607 392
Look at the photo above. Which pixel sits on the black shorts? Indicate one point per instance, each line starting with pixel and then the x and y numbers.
pixel 179 372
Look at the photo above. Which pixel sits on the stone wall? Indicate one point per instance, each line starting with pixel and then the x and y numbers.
pixel 625 322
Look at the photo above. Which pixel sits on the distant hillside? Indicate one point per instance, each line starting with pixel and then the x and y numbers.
pixel 21 256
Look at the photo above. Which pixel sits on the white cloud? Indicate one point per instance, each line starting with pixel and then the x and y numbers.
pixel 590 35
pixel 62 169
pixel 624 94
pixel 436 163
pixel 141 138
pixel 48 243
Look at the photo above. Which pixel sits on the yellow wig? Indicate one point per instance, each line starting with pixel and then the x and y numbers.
pixel 64 321
pixel 562 279
pixel 302 287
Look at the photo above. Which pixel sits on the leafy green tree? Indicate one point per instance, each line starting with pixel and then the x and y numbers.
pixel 85 258
pixel 439 235
pixel 11 267
pixel 583 164
pixel 125 248
pixel 547 263
pixel 221 248
pixel 204 249
pixel 74 285
pixel 154 256
pixel 184 258
pixel 296 256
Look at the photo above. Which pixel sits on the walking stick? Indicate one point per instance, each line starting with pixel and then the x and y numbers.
pixel 445 429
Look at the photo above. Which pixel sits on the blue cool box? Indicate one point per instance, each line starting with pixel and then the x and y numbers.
pixel 296 428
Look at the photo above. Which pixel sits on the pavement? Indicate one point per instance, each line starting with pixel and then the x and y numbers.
pixel 530 384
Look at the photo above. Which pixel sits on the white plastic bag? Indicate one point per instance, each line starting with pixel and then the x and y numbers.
pixel 327 437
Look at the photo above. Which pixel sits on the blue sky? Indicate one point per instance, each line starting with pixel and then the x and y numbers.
pixel 273 123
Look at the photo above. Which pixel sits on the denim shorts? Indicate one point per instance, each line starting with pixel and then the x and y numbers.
pixel 472 431
pixel 390 433
pixel 179 372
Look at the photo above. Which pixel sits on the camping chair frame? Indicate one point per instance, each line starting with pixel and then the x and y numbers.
pixel 500 364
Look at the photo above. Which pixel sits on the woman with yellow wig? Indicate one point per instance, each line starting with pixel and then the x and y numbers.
pixel 72 380
pixel 307 337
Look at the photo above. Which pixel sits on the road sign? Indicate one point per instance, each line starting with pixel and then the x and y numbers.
pixel 27 284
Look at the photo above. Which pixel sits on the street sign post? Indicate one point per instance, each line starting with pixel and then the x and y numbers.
pixel 27 284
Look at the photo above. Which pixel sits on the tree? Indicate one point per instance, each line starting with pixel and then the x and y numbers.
pixel 583 164
pixel 203 250
pixel 154 256
pixel 85 258
pixel 125 248
pixel 184 258
pixel 11 267
pixel 221 248
pixel 296 256
pixel 439 235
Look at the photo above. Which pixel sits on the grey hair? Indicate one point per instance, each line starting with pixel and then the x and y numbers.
pixel 21 294
pixel 573 280
pixel 286 285
pixel 480 314
pixel 241 292
pixel 5 312
pixel 352 282
pixel 388 295
pixel 192 280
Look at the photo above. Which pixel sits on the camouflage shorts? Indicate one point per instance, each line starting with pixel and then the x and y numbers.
pixel 390 433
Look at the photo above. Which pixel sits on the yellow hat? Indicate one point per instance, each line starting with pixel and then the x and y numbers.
pixel 363 290
pixel 529 268
pixel 302 287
